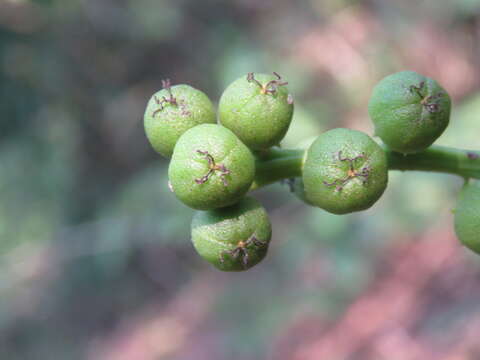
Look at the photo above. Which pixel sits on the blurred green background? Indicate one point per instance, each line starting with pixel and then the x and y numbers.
pixel 95 256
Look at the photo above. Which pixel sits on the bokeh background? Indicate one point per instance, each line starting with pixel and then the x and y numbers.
pixel 95 256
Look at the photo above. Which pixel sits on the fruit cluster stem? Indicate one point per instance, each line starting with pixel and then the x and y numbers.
pixel 465 163
pixel 278 164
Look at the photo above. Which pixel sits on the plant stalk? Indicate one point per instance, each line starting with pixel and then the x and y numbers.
pixel 277 164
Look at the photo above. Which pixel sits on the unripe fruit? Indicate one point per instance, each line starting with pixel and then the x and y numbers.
pixel 467 216
pixel 258 109
pixel 344 171
pixel 172 111
pixel 410 111
pixel 210 167
pixel 233 238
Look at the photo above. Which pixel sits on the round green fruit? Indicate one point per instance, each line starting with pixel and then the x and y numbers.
pixel 409 110
pixel 210 167
pixel 258 109
pixel 467 216
pixel 172 111
pixel 233 238
pixel 344 171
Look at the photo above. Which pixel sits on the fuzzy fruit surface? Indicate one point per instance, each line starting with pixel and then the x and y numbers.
pixel 215 180
pixel 344 171
pixel 217 235
pixel 410 111
pixel 165 121
pixel 467 216
pixel 259 119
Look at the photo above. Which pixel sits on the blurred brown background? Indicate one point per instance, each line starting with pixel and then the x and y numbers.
pixel 95 257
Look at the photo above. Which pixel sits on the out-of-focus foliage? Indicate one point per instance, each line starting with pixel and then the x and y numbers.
pixel 91 240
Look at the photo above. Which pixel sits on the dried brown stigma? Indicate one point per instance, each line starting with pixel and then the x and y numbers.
pixel 212 167
pixel 270 87
pixel 351 172
pixel 166 85
pixel 418 89
pixel 428 102
pixel 241 251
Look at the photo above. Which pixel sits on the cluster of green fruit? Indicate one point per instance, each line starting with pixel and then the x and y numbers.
pixel 214 164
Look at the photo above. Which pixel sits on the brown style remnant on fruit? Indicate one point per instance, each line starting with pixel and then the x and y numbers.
pixel 166 84
pixel 212 167
pixel 271 86
pixel 351 173
pixel 427 101
pixel 241 250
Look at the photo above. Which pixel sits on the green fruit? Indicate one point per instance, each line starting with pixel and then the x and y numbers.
pixel 258 109
pixel 233 238
pixel 410 111
pixel 172 111
pixel 344 171
pixel 467 216
pixel 210 167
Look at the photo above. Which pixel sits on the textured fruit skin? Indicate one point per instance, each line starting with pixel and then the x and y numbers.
pixel 467 216
pixel 164 128
pixel 187 165
pixel 259 120
pixel 402 121
pixel 216 231
pixel 323 166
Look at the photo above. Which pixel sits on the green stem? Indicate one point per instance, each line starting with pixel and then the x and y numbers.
pixel 277 164
pixel 465 163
